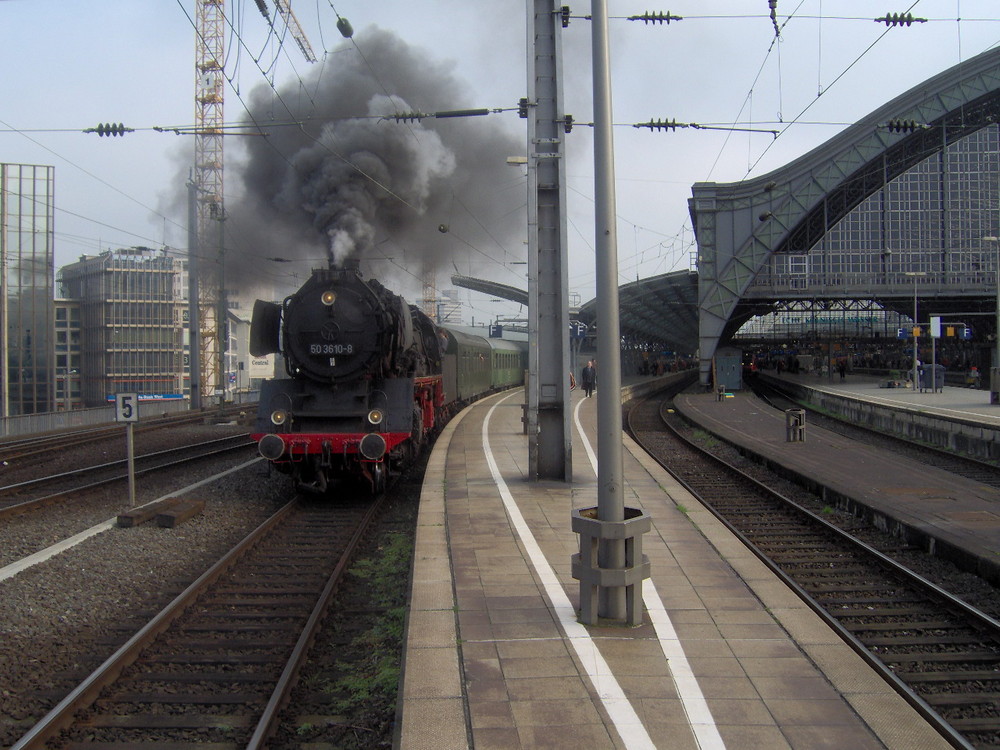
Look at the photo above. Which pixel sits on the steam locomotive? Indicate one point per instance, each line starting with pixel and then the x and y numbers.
pixel 370 379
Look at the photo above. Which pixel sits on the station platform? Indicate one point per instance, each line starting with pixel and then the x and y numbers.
pixel 957 518
pixel 727 656
pixel 952 402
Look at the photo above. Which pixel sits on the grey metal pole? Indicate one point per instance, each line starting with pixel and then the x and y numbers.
pixel 916 337
pixel 5 306
pixel 550 454
pixel 130 449
pixel 610 471
pixel 222 318
pixel 194 318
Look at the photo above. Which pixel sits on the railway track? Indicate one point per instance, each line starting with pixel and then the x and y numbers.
pixel 30 446
pixel 35 493
pixel 939 653
pixel 217 665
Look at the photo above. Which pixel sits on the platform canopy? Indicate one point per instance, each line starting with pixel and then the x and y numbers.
pixel 660 312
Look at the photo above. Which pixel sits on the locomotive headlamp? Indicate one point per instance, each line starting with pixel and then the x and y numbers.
pixel 375 416
pixel 279 417
pixel 328 298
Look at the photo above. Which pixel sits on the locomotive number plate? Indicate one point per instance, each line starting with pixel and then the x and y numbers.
pixel 320 349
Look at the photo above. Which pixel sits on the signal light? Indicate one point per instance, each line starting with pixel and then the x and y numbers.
pixel 564 15
pixel 522 108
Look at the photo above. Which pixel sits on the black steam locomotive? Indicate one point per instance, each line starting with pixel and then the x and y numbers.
pixel 370 378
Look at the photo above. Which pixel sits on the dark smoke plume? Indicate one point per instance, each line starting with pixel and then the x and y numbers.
pixel 349 183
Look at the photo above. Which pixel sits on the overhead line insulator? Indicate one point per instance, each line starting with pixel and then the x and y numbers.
pixel 407 116
pixel 660 125
pixel 656 18
pixel 899 19
pixel 904 126
pixel 110 129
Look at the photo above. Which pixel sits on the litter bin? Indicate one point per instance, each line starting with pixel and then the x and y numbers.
pixel 931 378
pixel 795 425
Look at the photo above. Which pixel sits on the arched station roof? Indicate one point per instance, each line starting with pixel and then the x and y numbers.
pixel 739 226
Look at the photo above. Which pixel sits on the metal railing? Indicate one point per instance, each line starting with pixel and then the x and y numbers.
pixel 53 421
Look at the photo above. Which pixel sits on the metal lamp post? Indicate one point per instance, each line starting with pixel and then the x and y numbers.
pixel 994 396
pixel 916 324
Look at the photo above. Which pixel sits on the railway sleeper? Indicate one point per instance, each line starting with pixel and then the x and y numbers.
pixel 930 639
pixel 962 699
pixel 962 657
pixel 158 696
pixel 953 676
pixel 171 721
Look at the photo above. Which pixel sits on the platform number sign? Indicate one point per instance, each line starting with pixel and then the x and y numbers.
pixel 126 407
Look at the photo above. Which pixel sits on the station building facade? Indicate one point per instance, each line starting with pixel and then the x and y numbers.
pixel 131 328
pixel 26 287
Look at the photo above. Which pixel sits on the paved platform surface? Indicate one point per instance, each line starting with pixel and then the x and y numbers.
pixel 496 658
pixel 959 403
pixel 934 503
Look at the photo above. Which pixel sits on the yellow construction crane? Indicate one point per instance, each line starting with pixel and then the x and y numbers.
pixel 206 287
pixel 285 11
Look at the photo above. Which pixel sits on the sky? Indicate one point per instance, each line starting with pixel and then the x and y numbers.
pixel 806 74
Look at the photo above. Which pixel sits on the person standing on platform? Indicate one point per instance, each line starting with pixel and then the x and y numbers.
pixel 588 378
pixel 842 369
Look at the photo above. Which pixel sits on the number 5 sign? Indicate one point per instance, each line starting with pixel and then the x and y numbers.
pixel 126 407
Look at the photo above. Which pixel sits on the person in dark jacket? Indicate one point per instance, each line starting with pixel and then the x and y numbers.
pixel 588 378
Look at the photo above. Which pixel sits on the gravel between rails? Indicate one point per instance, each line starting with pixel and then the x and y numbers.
pixel 60 619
